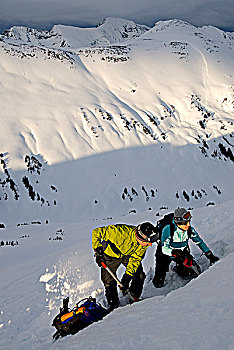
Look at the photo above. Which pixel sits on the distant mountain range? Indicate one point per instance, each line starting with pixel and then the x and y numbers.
pixel 99 122
pixel 110 31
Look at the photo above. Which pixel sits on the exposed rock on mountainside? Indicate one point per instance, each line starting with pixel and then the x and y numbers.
pixel 119 118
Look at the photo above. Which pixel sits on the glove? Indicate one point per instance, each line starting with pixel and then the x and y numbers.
pixel 125 283
pixel 99 255
pixel 187 260
pixel 213 259
pixel 177 253
pixel 182 256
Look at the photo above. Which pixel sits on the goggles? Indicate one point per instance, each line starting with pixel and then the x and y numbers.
pixel 184 219
pixel 142 237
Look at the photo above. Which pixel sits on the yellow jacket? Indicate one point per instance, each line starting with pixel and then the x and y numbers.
pixel 118 241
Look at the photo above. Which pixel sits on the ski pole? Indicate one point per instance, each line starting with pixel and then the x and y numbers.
pixel 117 280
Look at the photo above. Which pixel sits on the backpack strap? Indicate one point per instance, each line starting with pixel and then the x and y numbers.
pixel 171 230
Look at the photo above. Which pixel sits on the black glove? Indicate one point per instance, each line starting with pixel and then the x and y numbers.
pixel 125 282
pixel 177 253
pixel 99 255
pixel 183 256
pixel 213 259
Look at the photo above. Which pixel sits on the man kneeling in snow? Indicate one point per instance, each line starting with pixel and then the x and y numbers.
pixel 122 244
pixel 174 247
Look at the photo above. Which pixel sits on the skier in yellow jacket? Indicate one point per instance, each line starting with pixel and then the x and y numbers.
pixel 122 244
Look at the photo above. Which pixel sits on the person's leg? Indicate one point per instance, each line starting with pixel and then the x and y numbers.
pixel 109 283
pixel 162 266
pixel 138 279
pixel 184 271
pixel 137 283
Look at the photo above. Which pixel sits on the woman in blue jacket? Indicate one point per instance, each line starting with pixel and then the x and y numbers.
pixel 174 247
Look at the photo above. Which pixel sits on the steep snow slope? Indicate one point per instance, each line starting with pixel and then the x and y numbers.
pixel 107 130
pixel 42 269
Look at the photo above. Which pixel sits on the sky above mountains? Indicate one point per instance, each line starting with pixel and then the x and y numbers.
pixel 43 14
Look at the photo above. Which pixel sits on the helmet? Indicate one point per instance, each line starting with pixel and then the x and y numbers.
pixel 146 232
pixel 181 215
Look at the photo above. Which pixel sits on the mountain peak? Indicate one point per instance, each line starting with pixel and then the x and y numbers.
pixel 172 24
pixel 117 21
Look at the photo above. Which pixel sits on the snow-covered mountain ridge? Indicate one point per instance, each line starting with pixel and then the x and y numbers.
pixel 110 31
pixel 110 117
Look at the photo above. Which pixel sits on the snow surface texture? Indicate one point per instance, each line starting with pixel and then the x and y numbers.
pixel 119 123
pixel 39 272
pixel 118 126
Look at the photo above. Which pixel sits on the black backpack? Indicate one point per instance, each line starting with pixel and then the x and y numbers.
pixel 167 220
pixel 82 315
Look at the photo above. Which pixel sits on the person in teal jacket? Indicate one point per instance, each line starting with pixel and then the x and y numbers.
pixel 174 247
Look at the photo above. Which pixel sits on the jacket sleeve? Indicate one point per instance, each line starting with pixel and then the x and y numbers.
pixel 198 240
pixel 166 241
pixel 97 236
pixel 134 263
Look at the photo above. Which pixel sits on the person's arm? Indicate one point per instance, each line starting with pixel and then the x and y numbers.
pixel 135 260
pixel 199 241
pixel 132 266
pixel 97 237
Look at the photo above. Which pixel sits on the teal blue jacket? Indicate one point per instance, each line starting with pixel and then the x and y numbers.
pixel 180 239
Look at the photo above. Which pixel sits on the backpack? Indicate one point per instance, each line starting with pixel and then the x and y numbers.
pixel 82 315
pixel 167 220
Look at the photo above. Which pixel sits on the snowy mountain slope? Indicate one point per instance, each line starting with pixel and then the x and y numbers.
pixel 119 123
pixel 142 124
pixel 42 269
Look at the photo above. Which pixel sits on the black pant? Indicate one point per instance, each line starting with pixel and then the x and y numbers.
pixel 111 285
pixel 162 267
